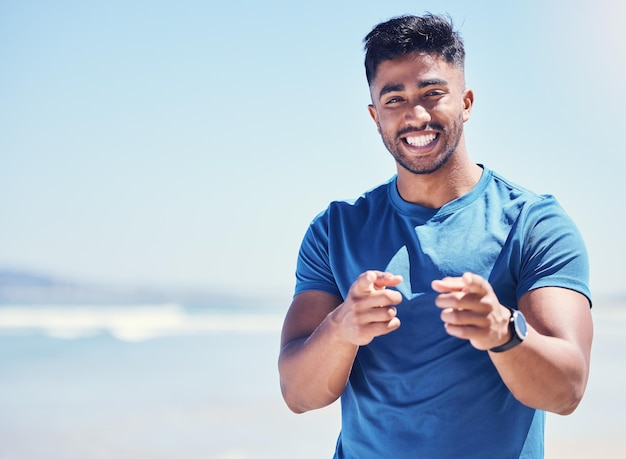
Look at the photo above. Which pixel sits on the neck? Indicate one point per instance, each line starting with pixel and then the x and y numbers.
pixel 454 179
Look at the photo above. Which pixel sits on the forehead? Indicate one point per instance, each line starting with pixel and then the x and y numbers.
pixel 413 68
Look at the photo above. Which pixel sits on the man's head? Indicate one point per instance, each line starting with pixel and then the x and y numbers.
pixel 417 84
pixel 428 34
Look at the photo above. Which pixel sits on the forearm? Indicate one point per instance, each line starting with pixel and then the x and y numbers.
pixel 321 337
pixel 550 368
pixel 544 372
pixel 314 371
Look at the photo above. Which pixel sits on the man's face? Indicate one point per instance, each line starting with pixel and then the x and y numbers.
pixel 419 103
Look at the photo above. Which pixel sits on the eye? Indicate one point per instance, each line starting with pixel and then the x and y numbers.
pixel 394 100
pixel 435 93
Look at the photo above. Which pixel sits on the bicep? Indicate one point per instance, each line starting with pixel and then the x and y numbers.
pixel 307 311
pixel 560 313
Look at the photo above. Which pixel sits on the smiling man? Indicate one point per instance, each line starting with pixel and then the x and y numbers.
pixel 448 308
pixel 431 90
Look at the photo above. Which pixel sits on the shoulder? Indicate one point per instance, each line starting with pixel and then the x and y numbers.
pixel 534 217
pixel 359 207
pixel 512 189
pixel 552 252
pixel 345 218
pixel 527 202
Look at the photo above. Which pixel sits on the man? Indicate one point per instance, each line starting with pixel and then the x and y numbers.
pixel 448 308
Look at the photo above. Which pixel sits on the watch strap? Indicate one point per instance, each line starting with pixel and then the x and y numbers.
pixel 515 339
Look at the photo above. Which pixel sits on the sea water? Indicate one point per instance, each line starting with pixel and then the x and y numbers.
pixel 147 381
pixel 169 381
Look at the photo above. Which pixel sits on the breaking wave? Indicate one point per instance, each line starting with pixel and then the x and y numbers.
pixel 132 322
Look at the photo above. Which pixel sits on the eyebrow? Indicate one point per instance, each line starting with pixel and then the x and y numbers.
pixel 432 82
pixel 421 85
pixel 390 88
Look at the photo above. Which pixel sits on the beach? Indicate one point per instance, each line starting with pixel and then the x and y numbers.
pixel 213 392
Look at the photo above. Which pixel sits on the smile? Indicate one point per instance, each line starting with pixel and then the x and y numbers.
pixel 420 140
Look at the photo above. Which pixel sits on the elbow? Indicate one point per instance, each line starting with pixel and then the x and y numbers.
pixel 567 410
pixel 300 397
pixel 295 408
pixel 562 403
pixel 568 404
pixel 290 401
pixel 572 394
pixel 291 396
pixel 293 402
pixel 292 393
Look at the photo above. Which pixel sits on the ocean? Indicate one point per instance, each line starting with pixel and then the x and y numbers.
pixel 167 381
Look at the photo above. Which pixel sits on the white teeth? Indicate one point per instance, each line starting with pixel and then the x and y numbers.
pixel 421 140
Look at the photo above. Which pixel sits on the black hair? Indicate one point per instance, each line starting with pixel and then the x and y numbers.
pixel 429 34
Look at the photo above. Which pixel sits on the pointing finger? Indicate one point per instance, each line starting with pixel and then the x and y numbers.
pixel 475 284
pixel 378 280
pixel 448 284
pixel 467 283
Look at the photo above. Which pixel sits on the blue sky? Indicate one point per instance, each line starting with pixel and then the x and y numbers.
pixel 189 143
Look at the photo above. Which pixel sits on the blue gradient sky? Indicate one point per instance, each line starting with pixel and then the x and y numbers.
pixel 188 143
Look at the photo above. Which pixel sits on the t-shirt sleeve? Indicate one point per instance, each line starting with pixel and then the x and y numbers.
pixel 313 269
pixel 553 251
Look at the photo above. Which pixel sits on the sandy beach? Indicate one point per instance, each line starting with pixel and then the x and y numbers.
pixel 215 395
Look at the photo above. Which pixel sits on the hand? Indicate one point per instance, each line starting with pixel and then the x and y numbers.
pixel 472 311
pixel 369 309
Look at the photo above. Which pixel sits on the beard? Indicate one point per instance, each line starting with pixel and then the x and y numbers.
pixel 429 164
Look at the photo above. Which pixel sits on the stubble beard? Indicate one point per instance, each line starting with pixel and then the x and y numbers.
pixel 422 166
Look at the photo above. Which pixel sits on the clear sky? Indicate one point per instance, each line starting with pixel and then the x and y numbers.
pixel 191 142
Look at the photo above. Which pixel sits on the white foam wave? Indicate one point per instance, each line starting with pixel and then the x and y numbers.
pixel 132 322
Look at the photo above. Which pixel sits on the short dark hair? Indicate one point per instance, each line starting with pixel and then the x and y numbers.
pixel 431 34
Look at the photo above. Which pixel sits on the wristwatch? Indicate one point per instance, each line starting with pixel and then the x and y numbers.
pixel 519 331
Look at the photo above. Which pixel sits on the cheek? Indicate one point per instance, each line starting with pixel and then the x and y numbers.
pixel 385 131
pixel 386 124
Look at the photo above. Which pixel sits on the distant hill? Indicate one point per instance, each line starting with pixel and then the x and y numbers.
pixel 22 287
pixel 10 278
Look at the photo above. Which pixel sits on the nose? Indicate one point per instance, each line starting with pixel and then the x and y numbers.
pixel 417 114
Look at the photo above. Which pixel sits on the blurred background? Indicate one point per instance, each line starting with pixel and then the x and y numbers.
pixel 160 162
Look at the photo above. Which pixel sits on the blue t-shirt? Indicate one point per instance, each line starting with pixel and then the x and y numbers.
pixel 418 392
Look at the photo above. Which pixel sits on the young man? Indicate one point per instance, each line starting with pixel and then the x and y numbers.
pixel 448 308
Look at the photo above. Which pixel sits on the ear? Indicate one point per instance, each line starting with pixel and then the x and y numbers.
pixel 374 115
pixel 468 103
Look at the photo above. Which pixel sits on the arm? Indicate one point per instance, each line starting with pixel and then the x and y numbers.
pixel 321 337
pixel 550 368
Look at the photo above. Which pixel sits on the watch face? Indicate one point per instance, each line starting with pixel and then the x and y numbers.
pixel 520 324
